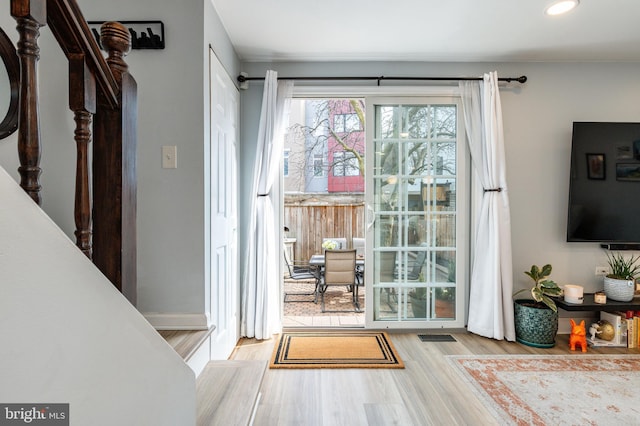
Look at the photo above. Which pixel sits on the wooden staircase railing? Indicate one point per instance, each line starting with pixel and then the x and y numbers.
pixel 103 98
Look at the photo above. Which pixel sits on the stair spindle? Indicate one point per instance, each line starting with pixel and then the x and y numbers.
pixel 29 17
pixel 82 101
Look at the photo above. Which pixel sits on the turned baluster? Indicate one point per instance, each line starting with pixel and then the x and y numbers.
pixel 82 101
pixel 30 16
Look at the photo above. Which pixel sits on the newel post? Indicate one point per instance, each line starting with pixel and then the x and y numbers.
pixel 30 16
pixel 114 170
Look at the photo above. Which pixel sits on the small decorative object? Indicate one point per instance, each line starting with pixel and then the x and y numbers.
pixel 573 293
pixel 578 336
pixel 329 245
pixel 594 329
pixel 536 321
pixel 607 331
pixel 620 283
pixel 600 297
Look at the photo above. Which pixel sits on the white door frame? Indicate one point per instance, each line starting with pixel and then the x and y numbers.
pixel 370 94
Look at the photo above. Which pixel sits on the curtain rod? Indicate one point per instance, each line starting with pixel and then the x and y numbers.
pixel 242 78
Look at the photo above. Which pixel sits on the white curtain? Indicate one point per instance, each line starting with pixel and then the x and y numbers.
pixel 261 290
pixel 491 287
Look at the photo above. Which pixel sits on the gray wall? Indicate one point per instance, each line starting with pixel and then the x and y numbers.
pixel 538 119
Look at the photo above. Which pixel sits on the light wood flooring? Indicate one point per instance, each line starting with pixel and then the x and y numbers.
pixel 426 392
pixel 185 342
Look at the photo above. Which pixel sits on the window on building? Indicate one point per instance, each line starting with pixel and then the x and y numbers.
pixel 343 123
pixel 345 164
pixel 318 165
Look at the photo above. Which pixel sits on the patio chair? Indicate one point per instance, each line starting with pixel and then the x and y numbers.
pixel 339 270
pixel 358 244
pixel 301 271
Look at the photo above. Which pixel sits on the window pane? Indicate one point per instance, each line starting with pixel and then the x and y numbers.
pixel 386 125
pixel 352 123
pixel 445 121
pixel 417 121
pixel 318 169
pixel 386 158
pixel 338 123
pixel 338 163
pixel 352 168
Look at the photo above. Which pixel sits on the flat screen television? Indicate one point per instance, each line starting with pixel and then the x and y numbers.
pixel 604 186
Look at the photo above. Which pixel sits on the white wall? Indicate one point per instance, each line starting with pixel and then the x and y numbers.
pixel 68 336
pixel 172 106
pixel 538 117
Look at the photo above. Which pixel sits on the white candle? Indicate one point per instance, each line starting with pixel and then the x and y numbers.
pixel 573 293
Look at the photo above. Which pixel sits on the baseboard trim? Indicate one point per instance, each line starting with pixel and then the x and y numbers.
pixel 178 321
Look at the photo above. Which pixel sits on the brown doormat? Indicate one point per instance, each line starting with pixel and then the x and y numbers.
pixel 357 349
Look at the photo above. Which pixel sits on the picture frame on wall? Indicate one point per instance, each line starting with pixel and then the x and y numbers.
pixel 596 167
pixel 629 172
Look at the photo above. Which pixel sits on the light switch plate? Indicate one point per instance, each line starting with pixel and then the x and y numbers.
pixel 169 157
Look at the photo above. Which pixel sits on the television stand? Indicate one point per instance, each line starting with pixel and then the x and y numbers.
pixel 589 305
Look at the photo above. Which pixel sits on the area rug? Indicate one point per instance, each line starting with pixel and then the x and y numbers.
pixel 556 390
pixel 335 349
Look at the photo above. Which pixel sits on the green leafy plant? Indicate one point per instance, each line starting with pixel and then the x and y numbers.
pixel 544 288
pixel 621 268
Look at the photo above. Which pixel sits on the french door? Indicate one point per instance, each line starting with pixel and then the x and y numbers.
pixel 417 213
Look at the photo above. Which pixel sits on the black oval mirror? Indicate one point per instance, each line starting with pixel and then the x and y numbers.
pixel 9 79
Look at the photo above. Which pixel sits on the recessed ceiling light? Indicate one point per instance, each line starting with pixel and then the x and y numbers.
pixel 561 6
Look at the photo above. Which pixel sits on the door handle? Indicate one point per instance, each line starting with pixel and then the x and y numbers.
pixel 371 217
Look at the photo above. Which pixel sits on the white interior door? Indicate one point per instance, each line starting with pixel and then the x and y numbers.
pixel 224 276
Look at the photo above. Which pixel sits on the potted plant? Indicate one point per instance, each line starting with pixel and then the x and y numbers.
pixel 536 319
pixel 620 283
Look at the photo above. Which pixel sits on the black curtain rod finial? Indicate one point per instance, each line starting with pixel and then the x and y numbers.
pixel 522 79
pixel 242 79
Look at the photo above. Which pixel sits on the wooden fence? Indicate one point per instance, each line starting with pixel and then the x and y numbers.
pixel 310 218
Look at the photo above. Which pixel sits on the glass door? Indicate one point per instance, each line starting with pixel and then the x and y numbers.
pixel 416 271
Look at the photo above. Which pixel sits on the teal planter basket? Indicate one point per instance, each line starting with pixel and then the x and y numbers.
pixel 535 327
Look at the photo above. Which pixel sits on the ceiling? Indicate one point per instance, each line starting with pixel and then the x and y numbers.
pixel 431 30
